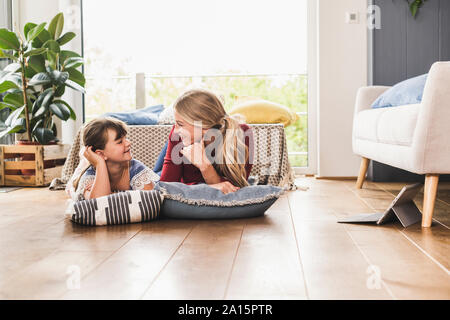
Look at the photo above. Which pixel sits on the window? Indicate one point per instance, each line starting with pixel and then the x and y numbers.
pixel 155 50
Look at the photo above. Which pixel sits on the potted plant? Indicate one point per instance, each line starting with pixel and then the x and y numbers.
pixel 33 83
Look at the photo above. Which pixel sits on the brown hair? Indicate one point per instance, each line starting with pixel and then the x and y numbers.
pixel 95 134
pixel 203 105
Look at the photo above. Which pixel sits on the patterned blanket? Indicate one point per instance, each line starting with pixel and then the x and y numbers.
pixel 271 164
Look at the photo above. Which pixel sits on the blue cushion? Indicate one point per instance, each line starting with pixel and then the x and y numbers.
pixel 406 92
pixel 201 201
pixel 145 116
pixel 160 161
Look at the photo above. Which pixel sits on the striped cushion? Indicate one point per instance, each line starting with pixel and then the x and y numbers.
pixel 117 208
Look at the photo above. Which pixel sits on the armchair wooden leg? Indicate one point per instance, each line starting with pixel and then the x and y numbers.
pixel 429 198
pixel 362 172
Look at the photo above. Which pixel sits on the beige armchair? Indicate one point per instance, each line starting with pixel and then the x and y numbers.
pixel 415 137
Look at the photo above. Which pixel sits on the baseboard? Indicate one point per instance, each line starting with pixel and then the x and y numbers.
pixel 336 178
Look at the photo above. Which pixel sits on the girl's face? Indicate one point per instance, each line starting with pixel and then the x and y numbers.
pixel 117 150
pixel 186 131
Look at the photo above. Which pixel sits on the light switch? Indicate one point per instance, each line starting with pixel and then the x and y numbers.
pixel 352 17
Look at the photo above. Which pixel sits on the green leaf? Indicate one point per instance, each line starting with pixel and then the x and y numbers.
pixel 13 116
pixel 41 78
pixel 6 85
pixel 60 90
pixel 19 125
pixel 38 124
pixel 76 76
pixel 7 106
pixel 47 98
pixel 35 52
pixel 54 130
pixel 66 38
pixel 52 45
pixel 40 111
pixel 9 56
pixel 68 54
pixel 59 77
pixel 8 40
pixel 14 99
pixel 56 26
pixel 13 67
pixel 72 113
pixel 28 27
pixel 36 64
pixel 33 33
pixel 60 110
pixel 73 62
pixel 3 74
pixel 413 8
pixel 38 103
pixel 52 58
pixel 10 130
pixel 75 86
pixel 14 77
pixel 42 37
pixel 43 135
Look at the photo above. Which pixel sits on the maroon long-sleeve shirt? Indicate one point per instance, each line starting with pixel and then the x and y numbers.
pixel 187 173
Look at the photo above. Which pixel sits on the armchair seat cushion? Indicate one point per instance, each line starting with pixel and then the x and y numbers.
pixel 387 125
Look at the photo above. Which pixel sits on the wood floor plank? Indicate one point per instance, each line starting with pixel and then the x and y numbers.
pixel 267 264
pixel 201 266
pixel 333 265
pixel 296 251
pixel 51 276
pixel 128 273
pixel 407 271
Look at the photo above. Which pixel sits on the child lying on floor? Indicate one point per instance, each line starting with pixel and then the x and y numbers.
pixel 112 167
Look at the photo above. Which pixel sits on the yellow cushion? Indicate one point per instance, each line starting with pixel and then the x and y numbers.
pixel 262 111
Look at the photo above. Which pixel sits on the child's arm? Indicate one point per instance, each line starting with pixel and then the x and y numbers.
pixel 101 186
pixel 149 186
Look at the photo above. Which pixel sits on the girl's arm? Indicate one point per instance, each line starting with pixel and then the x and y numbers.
pixel 210 174
pixel 149 186
pixel 101 186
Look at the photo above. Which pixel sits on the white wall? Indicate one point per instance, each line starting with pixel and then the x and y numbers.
pixel 25 11
pixel 342 69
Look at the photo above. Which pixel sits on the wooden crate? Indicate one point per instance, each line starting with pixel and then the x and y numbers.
pixel 10 159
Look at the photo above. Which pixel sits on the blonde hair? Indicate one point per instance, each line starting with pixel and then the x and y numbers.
pixel 95 134
pixel 203 105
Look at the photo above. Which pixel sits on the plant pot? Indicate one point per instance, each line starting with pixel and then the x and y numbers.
pixel 30 157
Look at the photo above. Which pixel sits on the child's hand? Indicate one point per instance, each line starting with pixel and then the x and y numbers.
pixel 92 157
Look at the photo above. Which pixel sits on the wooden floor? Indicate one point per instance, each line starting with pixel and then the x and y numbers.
pixel 296 251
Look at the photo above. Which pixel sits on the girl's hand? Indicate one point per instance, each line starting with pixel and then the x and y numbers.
pixel 92 157
pixel 225 187
pixel 195 153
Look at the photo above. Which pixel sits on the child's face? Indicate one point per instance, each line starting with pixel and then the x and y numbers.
pixel 186 131
pixel 117 150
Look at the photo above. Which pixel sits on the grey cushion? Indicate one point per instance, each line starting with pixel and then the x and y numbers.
pixel 204 202
pixel 117 208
